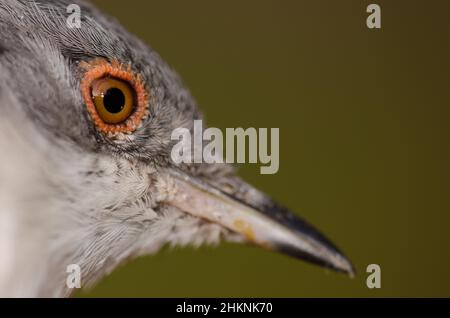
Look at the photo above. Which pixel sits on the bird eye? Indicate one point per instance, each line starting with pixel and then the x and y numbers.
pixel 114 99
pixel 115 96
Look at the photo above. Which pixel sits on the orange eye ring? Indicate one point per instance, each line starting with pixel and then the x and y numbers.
pixel 101 79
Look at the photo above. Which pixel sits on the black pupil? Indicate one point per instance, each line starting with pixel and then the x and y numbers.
pixel 114 100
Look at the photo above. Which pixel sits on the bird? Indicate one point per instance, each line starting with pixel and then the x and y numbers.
pixel 86 175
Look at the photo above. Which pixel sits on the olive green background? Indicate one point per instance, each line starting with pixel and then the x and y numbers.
pixel 364 139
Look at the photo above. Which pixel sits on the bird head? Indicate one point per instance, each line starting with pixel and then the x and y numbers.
pixel 86 175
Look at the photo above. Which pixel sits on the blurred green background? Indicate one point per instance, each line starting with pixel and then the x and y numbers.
pixel 364 138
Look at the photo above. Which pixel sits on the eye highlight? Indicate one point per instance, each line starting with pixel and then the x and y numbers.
pixel 115 97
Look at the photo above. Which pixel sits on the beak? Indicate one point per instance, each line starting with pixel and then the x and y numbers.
pixel 248 212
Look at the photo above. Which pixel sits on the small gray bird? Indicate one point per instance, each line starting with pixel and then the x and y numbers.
pixel 86 176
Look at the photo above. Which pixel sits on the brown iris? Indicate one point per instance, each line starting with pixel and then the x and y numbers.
pixel 114 99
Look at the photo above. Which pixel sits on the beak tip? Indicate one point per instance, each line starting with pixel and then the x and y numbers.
pixel 340 263
pixel 328 257
pixel 346 267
